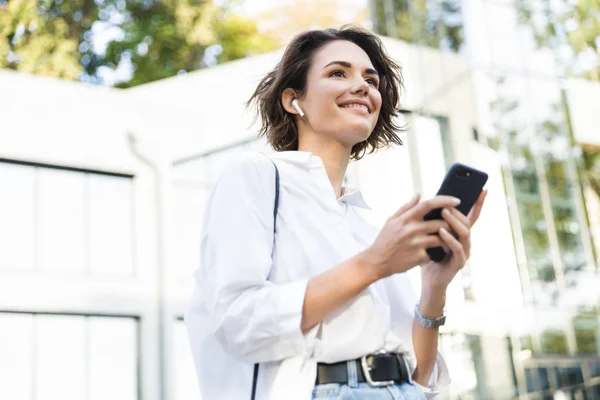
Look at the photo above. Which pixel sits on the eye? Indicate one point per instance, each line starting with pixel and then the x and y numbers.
pixel 337 72
pixel 372 81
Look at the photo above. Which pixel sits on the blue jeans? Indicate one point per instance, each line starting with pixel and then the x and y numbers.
pixel 362 391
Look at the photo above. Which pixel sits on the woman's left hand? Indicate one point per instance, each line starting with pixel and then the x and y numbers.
pixel 436 276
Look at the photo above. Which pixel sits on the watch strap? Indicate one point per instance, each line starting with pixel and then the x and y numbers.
pixel 428 322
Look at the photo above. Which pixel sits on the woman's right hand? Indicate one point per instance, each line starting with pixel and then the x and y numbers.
pixel 405 237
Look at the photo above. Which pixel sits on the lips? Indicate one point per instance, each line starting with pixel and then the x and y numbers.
pixel 357 104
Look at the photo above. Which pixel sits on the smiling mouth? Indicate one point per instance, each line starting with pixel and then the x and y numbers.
pixel 356 106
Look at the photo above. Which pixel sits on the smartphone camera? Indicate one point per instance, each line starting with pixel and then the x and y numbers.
pixel 463 172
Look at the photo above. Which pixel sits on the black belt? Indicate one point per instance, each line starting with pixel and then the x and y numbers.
pixel 376 369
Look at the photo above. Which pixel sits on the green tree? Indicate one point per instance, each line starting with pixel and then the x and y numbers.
pixel 156 38
pixel 571 23
pixel 591 164
pixel 35 40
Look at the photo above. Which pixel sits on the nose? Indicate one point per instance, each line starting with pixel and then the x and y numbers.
pixel 360 86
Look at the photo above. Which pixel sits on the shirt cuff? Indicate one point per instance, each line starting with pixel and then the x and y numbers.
pixel 289 313
pixel 439 380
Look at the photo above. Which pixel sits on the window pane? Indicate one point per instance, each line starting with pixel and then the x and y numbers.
pixel 544 380
pixel 62 222
pixel 61 353
pixel 113 358
pixel 529 380
pixel 432 164
pixel 17 183
pixel 570 375
pixel 595 368
pixel 436 24
pixel 587 330
pixel 554 342
pixel 186 386
pixel 110 224
pixel 16 362
pixel 188 209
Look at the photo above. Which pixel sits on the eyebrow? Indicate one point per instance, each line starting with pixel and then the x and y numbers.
pixel 346 64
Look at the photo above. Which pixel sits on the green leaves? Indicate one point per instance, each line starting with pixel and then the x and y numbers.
pixel 156 39
pixel 571 24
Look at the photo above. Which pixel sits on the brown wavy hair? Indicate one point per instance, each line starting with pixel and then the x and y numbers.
pixel 279 126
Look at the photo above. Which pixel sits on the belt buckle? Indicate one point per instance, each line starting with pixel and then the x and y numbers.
pixel 367 373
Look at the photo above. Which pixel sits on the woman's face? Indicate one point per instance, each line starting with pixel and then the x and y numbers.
pixel 342 100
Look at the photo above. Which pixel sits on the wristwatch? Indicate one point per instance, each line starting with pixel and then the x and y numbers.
pixel 428 322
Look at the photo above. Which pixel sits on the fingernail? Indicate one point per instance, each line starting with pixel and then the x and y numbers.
pixel 443 231
pixel 445 211
pixel 456 201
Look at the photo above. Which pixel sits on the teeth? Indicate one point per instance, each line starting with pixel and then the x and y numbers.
pixel 356 106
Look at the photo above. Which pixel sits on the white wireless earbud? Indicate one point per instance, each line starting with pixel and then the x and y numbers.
pixel 297 107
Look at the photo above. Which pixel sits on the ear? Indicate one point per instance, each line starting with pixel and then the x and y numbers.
pixel 287 96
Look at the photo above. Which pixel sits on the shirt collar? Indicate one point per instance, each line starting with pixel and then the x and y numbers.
pixel 354 197
pixel 351 196
pixel 300 157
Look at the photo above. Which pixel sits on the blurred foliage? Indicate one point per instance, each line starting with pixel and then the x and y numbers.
pixel 587 330
pixel 541 151
pixel 571 23
pixel 156 38
pixel 591 163
pixel 433 23
pixel 554 341
pixel 289 18
pixel 38 40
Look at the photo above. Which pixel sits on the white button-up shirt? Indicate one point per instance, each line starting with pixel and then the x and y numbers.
pixel 247 302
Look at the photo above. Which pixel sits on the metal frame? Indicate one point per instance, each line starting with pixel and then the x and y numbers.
pixel 367 372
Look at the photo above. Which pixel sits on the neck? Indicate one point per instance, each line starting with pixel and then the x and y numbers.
pixel 335 158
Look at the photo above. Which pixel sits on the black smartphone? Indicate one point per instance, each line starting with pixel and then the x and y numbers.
pixel 465 183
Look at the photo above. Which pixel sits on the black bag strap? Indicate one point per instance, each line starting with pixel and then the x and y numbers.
pixel 276 205
pixel 254 380
pixel 275 208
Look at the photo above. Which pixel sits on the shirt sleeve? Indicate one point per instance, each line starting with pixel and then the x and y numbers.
pixel 253 318
pixel 439 380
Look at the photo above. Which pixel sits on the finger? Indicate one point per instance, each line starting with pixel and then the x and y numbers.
pixel 419 211
pixel 432 226
pixel 476 210
pixel 428 241
pixel 413 202
pixel 424 258
pixel 437 243
pixel 455 247
pixel 461 217
pixel 463 231
pixel 455 223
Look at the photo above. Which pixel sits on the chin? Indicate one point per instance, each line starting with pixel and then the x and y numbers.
pixel 359 133
pixel 351 141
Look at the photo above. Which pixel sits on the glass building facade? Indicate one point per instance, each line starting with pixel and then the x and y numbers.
pixel 520 53
pixel 61 227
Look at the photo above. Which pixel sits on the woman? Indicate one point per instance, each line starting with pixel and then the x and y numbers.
pixel 323 306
